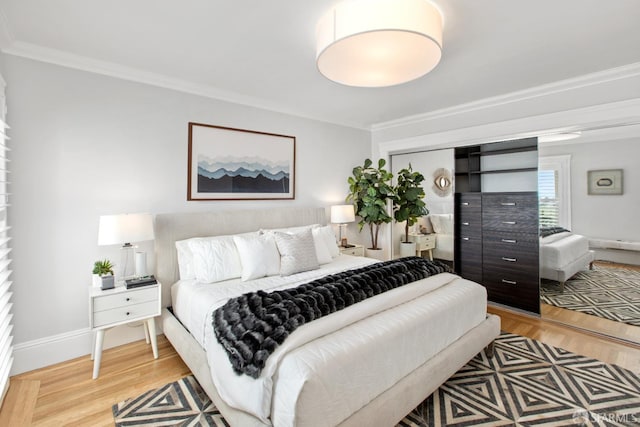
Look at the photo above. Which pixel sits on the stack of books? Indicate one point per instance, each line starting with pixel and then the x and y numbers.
pixel 140 281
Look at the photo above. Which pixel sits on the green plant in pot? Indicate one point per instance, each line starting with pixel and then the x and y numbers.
pixel 408 204
pixel 370 189
pixel 103 274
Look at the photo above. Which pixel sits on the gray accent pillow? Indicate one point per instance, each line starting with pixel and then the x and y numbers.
pixel 297 252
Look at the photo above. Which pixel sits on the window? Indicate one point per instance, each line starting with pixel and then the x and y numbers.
pixel 6 339
pixel 554 191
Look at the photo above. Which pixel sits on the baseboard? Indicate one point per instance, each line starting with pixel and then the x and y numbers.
pixel 48 351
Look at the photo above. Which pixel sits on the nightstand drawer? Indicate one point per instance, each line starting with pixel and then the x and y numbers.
pixel 355 251
pixel 423 241
pixel 124 314
pixel 125 299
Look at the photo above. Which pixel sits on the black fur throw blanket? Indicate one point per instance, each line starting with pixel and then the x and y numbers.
pixel 251 326
pixel 549 231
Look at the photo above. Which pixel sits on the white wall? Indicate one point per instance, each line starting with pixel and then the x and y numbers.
pixel 612 217
pixel 85 145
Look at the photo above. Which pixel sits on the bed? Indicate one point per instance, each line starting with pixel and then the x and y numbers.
pixel 563 254
pixel 352 367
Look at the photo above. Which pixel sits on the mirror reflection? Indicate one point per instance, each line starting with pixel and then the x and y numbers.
pixel 590 274
pixel 590 252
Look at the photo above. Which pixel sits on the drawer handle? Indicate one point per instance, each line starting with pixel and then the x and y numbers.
pixel 465 203
pixel 128 313
pixel 509 259
pixel 465 223
pixel 128 299
pixel 509 222
pixel 509 282
pixel 508 203
pixel 509 241
pixel 465 238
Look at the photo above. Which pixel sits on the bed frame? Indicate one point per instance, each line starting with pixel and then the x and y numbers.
pixel 386 409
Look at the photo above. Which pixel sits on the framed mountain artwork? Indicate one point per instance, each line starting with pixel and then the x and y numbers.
pixel 238 164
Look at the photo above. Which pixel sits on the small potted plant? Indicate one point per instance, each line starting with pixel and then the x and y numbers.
pixel 103 274
pixel 408 205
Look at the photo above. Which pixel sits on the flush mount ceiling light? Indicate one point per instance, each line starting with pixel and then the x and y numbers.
pixel 554 137
pixel 375 43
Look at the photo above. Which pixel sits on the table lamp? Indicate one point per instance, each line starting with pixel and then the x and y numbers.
pixel 341 215
pixel 125 229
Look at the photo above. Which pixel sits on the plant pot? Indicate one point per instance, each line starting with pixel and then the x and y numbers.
pixel 96 280
pixel 375 253
pixel 108 282
pixel 407 249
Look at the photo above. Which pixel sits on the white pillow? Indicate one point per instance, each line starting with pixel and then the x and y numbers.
pixel 328 238
pixel 215 259
pixel 442 223
pixel 297 252
pixel 185 260
pixel 259 256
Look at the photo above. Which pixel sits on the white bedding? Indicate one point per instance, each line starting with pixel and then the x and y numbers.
pixel 560 249
pixel 306 373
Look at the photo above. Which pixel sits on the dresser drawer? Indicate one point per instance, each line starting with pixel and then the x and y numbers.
pixel 469 201
pixel 470 258
pixel 510 212
pixel 124 299
pixel 523 262
pixel 126 314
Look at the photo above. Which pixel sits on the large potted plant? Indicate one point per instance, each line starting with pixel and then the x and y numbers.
pixel 369 190
pixel 408 205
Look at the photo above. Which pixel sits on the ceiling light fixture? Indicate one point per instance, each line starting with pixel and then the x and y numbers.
pixel 376 43
pixel 555 137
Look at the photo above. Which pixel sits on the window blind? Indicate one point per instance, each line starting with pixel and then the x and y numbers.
pixel 6 338
pixel 549 202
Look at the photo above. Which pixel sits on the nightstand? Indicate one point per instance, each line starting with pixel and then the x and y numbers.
pixel 424 242
pixel 119 306
pixel 356 250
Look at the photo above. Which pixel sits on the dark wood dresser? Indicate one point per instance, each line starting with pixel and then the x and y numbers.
pixel 510 253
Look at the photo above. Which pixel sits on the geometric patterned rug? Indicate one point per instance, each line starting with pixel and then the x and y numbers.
pixel 608 292
pixel 526 383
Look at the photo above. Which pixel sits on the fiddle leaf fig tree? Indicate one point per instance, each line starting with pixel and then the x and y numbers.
pixel 408 201
pixel 369 190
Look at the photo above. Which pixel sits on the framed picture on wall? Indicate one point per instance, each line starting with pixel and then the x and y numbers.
pixel 239 164
pixel 605 181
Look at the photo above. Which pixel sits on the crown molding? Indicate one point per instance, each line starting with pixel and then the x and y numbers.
pixel 612 74
pixel 111 69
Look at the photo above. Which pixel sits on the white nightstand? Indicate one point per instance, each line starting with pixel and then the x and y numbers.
pixel 424 242
pixel 356 250
pixel 119 306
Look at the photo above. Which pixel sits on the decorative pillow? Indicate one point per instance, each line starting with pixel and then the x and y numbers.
pixel 185 260
pixel 297 252
pixel 215 259
pixel 328 237
pixel 259 256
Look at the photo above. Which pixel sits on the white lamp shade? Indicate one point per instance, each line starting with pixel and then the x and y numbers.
pixel 125 228
pixel 375 43
pixel 341 214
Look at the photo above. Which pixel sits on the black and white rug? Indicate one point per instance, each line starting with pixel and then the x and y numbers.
pixel 526 383
pixel 609 292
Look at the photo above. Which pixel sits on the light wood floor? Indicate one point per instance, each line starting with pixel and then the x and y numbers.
pixel 65 394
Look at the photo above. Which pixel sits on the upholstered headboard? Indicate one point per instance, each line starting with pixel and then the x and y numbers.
pixel 172 227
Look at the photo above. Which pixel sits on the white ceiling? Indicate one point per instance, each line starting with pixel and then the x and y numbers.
pixel 263 52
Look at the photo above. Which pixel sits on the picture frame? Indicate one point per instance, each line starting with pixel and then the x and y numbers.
pixel 238 164
pixel 605 182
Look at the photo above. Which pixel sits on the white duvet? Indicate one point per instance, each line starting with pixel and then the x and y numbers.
pixel 333 366
pixel 560 249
